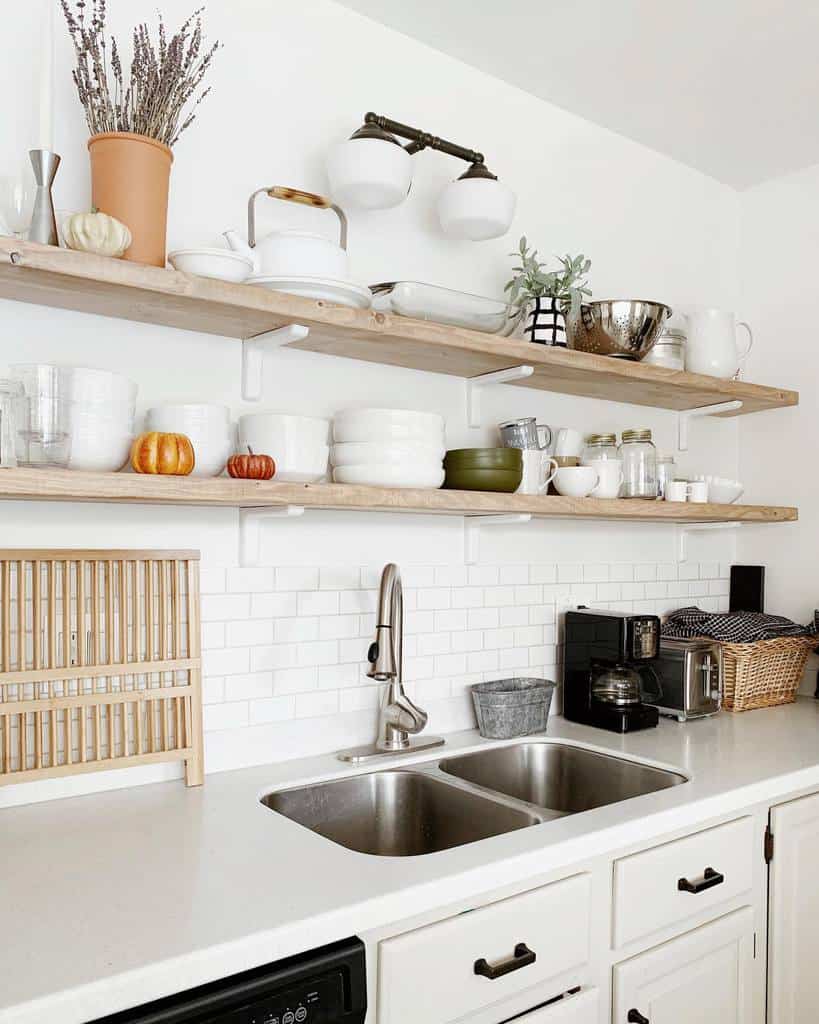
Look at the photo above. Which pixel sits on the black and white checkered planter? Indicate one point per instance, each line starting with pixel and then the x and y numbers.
pixel 545 322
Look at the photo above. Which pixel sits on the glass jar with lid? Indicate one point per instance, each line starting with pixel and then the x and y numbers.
pixel 639 464
pixel 668 350
pixel 600 447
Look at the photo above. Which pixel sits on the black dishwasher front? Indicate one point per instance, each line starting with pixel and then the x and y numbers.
pixel 325 986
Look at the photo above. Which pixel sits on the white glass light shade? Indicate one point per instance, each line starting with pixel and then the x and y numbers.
pixel 476 208
pixel 370 174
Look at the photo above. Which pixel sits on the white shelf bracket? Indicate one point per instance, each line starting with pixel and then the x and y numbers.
pixel 684 530
pixel 705 410
pixel 253 351
pixel 250 521
pixel 472 531
pixel 475 386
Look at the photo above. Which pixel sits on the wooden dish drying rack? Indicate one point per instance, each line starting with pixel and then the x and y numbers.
pixel 100 662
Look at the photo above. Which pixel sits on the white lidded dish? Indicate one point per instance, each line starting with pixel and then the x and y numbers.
pixel 445 306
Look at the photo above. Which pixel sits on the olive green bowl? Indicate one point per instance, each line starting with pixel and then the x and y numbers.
pixel 485 458
pixel 471 478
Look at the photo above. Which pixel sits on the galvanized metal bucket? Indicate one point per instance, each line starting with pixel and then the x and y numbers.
pixel 506 708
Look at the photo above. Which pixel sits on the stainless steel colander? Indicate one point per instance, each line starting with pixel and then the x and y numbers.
pixel 626 328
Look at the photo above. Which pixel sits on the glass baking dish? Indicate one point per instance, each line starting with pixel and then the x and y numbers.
pixel 445 306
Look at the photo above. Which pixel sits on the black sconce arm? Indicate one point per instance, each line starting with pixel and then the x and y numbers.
pixel 377 126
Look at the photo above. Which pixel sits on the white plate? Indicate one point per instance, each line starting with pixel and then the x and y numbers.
pixel 390 476
pixel 221 264
pixel 407 453
pixel 342 293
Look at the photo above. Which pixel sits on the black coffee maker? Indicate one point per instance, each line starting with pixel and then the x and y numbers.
pixel 606 654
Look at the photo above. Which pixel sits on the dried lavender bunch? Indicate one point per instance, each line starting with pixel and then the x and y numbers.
pixel 164 84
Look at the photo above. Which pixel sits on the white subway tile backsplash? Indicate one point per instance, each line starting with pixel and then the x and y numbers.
pixel 288 578
pixel 247 581
pixel 273 606
pixel 250 633
pixel 289 644
pixel 319 602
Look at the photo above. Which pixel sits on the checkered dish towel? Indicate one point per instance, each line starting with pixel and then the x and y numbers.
pixel 734 627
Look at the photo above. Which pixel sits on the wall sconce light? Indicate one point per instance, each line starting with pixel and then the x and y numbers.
pixel 373 171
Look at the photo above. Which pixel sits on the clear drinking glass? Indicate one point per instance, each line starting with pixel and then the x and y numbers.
pixel 11 395
pixel 16 203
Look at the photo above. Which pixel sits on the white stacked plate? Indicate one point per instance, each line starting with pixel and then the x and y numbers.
pixel 208 428
pixel 388 448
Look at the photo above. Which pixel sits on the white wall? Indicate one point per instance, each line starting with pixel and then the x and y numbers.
pixel 290 80
pixel 779 256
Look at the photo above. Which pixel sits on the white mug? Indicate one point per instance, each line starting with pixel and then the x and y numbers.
pixel 609 477
pixel 536 476
pixel 698 491
pixel 711 345
pixel 569 442
pixel 576 481
pixel 676 490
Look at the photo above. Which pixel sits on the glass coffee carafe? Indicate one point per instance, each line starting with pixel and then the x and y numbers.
pixel 616 684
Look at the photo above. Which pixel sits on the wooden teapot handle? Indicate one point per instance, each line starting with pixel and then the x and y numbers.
pixel 294 195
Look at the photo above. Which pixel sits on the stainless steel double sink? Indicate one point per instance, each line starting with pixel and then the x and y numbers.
pixel 438 805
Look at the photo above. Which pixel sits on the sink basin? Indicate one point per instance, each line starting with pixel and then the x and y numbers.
pixel 559 777
pixel 397 813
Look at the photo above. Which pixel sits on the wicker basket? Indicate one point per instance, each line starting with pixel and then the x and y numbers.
pixel 764 673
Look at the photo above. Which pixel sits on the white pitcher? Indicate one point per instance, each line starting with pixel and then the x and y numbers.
pixel 711 346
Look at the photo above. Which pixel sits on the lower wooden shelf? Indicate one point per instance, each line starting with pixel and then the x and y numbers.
pixel 131 488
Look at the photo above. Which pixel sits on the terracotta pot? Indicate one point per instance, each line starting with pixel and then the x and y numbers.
pixel 130 178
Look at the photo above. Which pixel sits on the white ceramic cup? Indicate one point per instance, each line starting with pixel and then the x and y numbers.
pixel 568 443
pixel 676 490
pixel 576 481
pixel 698 491
pixel 610 477
pixel 536 472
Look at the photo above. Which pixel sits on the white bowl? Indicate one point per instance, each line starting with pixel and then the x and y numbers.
pixel 386 475
pixel 575 481
pixel 211 453
pixel 221 264
pixel 182 417
pixel 387 425
pixel 99 453
pixel 298 444
pixel 405 453
pixel 722 491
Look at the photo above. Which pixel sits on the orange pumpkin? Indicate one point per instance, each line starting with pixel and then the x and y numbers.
pixel 163 454
pixel 251 466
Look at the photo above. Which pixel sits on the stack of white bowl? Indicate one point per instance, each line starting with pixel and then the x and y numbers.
pixel 388 448
pixel 208 428
pixel 76 417
pixel 102 420
pixel 297 444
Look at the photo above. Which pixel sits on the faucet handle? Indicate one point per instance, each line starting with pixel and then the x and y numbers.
pixel 408 716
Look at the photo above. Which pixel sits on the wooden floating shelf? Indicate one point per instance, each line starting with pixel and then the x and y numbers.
pixel 59 278
pixel 131 488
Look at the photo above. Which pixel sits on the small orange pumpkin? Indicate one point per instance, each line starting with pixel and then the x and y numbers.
pixel 163 454
pixel 251 466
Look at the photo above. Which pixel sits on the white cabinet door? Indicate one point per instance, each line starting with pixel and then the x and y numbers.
pixel 793 924
pixel 705 976
pixel 578 1009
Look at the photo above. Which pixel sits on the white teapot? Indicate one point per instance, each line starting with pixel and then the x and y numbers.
pixel 711 346
pixel 293 253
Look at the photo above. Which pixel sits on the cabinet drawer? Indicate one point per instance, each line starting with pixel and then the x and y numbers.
pixel 433 974
pixel 578 1009
pixel 666 885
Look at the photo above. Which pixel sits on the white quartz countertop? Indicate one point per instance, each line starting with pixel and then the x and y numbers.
pixel 112 900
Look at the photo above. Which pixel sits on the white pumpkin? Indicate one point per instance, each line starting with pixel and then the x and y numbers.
pixel 96 232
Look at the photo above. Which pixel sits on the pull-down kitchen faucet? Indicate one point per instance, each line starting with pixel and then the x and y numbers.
pixel 399 719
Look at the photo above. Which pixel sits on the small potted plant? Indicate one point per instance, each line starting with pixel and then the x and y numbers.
pixel 546 296
pixel 135 117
